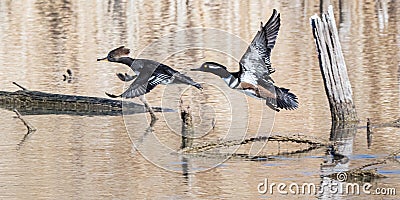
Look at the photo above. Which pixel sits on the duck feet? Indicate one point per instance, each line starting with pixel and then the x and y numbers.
pixel 144 101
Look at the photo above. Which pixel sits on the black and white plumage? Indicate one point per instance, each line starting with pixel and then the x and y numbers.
pixel 149 74
pixel 260 48
pixel 253 77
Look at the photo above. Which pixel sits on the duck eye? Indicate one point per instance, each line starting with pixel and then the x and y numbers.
pixel 111 56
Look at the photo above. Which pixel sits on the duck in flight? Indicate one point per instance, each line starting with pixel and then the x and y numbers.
pixel 253 77
pixel 149 74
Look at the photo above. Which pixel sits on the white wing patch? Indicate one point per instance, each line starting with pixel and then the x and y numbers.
pixel 159 79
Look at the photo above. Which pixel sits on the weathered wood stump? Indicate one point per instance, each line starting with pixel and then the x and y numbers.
pixel 187 131
pixel 333 68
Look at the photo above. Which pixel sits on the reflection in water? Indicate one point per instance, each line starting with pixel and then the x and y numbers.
pixel 89 157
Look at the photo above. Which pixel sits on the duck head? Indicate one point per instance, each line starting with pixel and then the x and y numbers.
pixel 213 68
pixel 116 54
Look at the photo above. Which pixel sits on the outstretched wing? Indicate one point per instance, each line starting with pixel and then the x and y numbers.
pixel 139 87
pixel 147 80
pixel 257 57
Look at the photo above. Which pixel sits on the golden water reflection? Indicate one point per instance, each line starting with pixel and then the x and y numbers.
pixel 91 157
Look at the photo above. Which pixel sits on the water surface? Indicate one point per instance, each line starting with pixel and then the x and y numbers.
pixel 92 157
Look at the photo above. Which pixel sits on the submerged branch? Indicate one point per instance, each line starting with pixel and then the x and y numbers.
pixel 26 123
pixel 361 173
pixel 395 123
pixel 277 138
pixel 271 156
pixel 29 126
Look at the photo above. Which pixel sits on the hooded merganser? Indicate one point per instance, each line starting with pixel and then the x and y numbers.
pixel 253 77
pixel 149 74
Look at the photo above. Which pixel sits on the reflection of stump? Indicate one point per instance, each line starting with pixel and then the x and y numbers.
pixel 343 135
pixel 333 67
pixel 369 133
pixel 342 131
pixel 187 126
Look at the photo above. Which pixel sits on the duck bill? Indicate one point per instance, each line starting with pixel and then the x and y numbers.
pixel 102 59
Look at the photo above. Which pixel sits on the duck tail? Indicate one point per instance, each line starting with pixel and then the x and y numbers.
pixel 277 97
pixel 285 99
pixel 181 78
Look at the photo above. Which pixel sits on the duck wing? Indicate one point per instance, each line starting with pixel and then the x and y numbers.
pixel 277 97
pixel 257 57
pixel 148 78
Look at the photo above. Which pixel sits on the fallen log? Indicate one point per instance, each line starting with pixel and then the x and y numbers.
pixel 29 102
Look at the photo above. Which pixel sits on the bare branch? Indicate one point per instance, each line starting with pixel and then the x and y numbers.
pixel 26 123
pixel 15 83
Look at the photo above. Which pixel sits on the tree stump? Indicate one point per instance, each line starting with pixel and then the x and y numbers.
pixel 187 132
pixel 333 68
